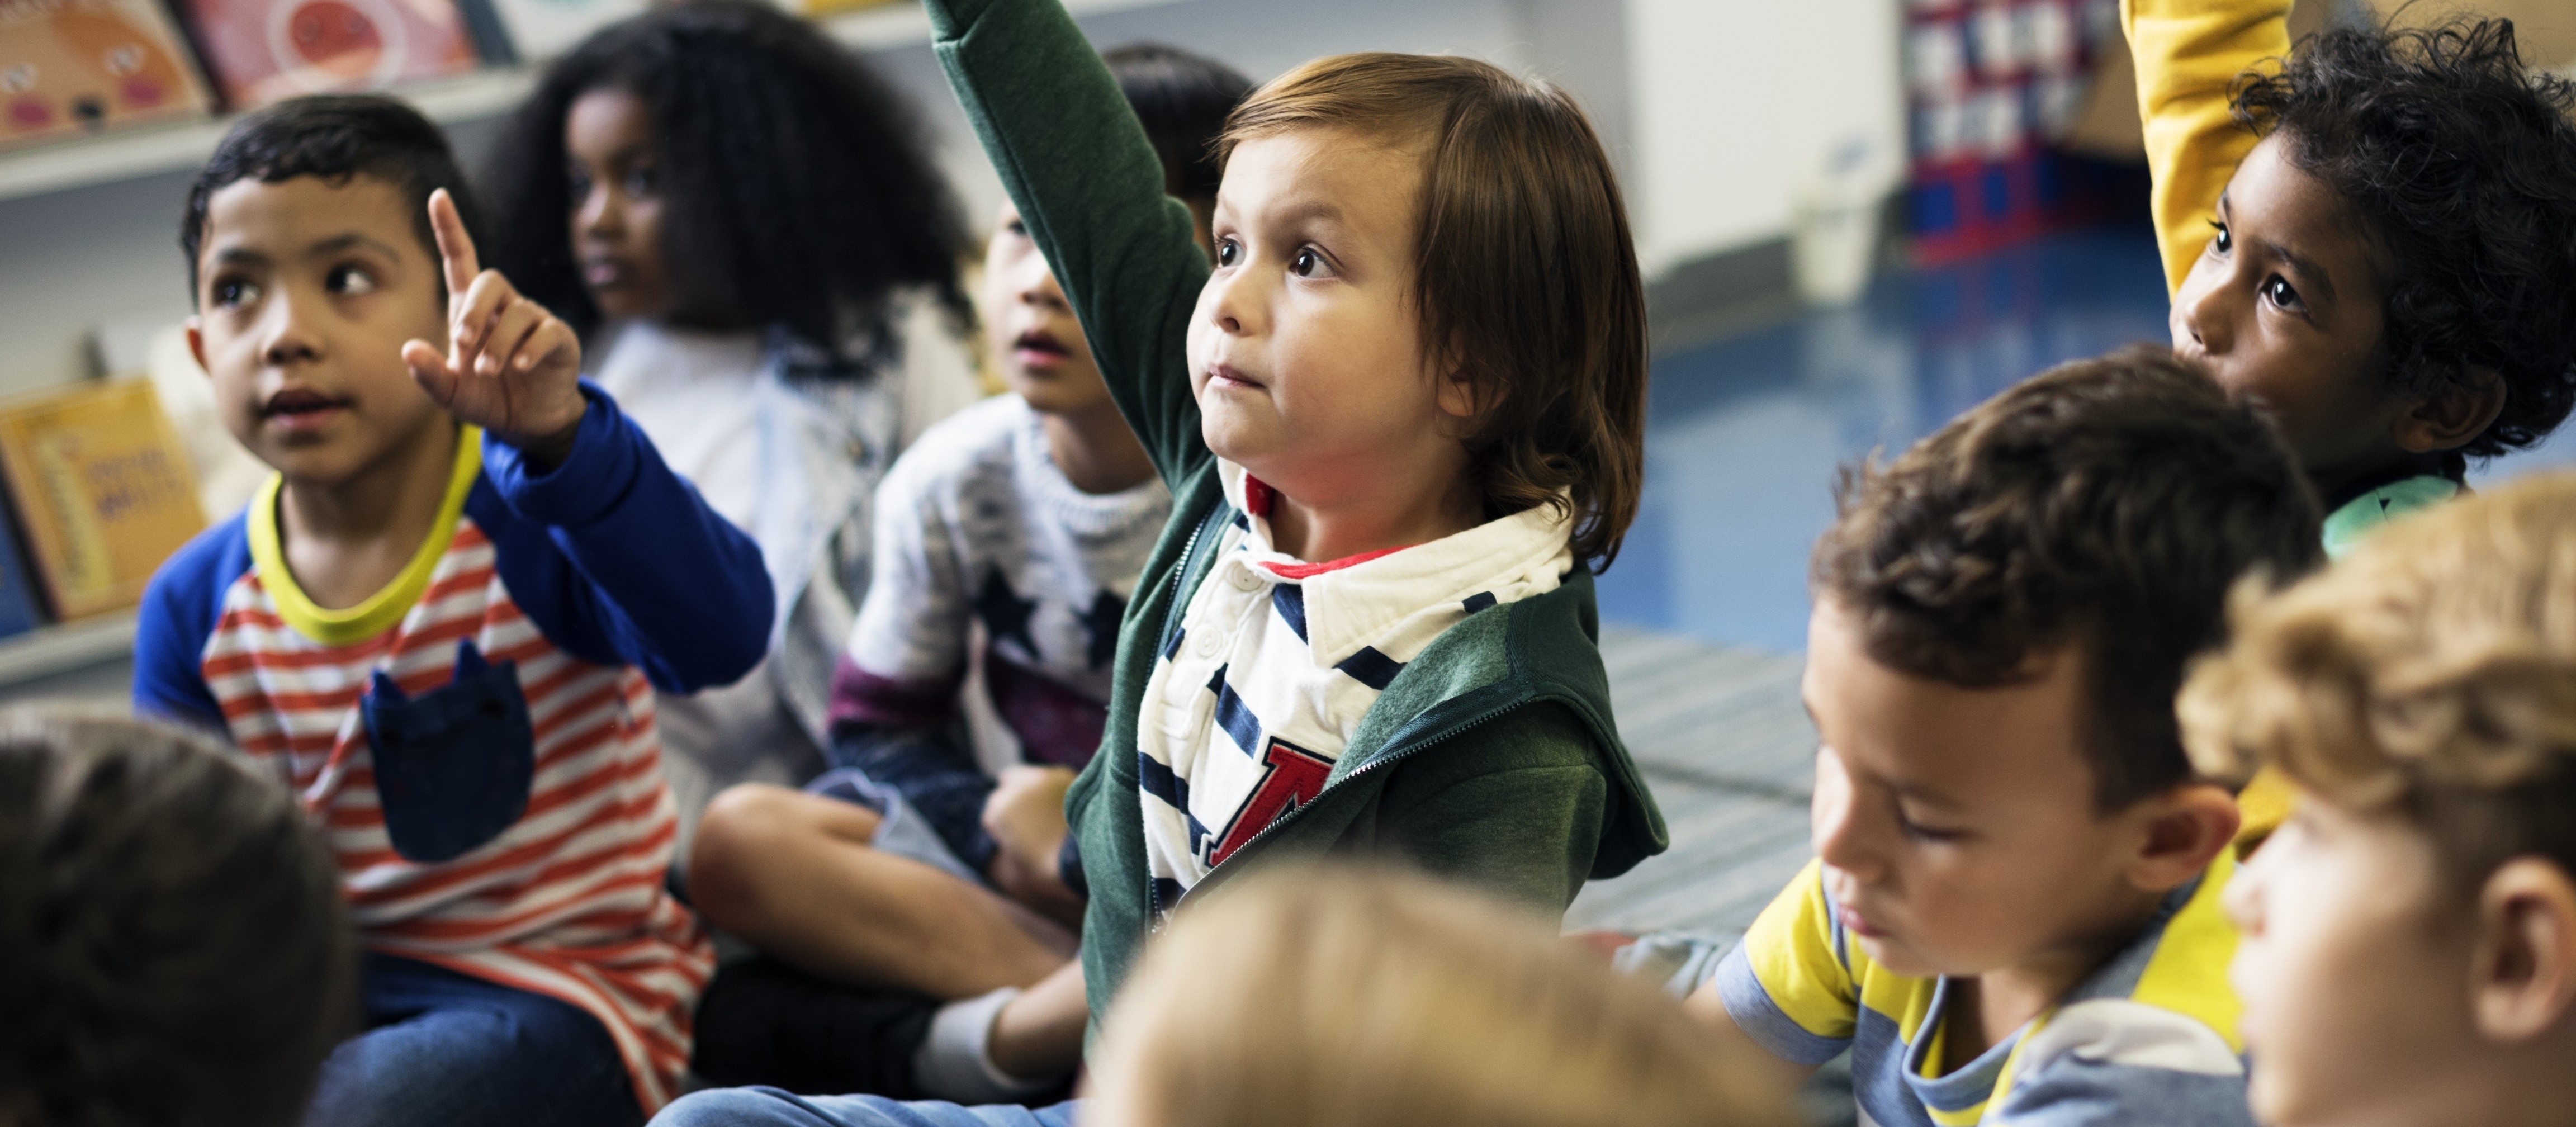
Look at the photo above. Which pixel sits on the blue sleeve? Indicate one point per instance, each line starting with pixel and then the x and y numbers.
pixel 2115 1061
pixel 620 562
pixel 180 609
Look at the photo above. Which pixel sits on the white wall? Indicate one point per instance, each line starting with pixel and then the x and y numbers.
pixel 1718 108
pixel 1738 103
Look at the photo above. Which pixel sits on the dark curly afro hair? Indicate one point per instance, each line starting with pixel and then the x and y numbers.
pixel 2462 163
pixel 799 186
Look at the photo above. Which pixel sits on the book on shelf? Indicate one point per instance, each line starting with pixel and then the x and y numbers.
pixel 69 67
pixel 261 51
pixel 102 489
pixel 19 605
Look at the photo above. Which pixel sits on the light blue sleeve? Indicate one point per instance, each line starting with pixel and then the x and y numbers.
pixel 1751 1007
pixel 2125 1063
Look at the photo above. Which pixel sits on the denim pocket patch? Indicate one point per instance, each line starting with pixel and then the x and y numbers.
pixel 453 766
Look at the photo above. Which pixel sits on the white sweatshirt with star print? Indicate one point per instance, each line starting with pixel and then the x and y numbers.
pixel 976 524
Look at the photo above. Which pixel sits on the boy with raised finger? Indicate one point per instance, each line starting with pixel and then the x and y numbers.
pixel 442 623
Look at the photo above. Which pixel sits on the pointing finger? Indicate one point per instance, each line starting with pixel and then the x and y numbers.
pixel 455 247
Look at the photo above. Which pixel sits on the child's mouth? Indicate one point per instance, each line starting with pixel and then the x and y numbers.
pixel 1038 348
pixel 1225 375
pixel 298 408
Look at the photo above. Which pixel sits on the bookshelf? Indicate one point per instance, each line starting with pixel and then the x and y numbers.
pixel 64 647
pixel 151 150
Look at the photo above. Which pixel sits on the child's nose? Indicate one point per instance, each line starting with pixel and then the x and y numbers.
pixel 289 331
pixel 2202 315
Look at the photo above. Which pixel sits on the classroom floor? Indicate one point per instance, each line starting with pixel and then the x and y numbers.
pixel 1744 433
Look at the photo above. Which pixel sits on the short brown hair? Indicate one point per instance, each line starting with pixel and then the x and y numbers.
pixel 2431 673
pixel 1526 272
pixel 2105 506
pixel 173 946
pixel 1362 998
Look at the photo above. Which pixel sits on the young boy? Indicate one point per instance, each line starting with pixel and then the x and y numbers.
pixel 2014 914
pixel 1402 420
pixel 1030 514
pixel 173 948
pixel 2409 951
pixel 442 623
pixel 2377 243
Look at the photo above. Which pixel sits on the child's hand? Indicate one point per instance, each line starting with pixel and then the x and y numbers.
pixel 1025 815
pixel 511 367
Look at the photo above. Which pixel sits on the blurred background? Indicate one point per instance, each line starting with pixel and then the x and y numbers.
pixel 1857 218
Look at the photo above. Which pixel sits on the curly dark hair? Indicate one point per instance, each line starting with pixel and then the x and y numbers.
pixel 798 185
pixel 173 946
pixel 334 137
pixel 2462 165
pixel 2105 505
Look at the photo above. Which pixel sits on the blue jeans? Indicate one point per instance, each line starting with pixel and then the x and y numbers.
pixel 443 1049
pixel 770 1107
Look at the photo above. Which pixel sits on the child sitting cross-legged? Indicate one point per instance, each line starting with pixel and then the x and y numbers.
pixel 2409 951
pixel 2375 240
pixel 1028 515
pixel 2014 912
pixel 442 624
pixel 1401 418
pixel 173 947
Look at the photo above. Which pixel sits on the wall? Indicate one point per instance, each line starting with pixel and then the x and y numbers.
pixel 1718 109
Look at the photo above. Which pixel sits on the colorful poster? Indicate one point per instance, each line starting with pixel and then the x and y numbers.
pixel 260 51
pixel 75 66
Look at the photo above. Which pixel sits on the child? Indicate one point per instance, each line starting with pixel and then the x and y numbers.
pixel 2014 914
pixel 2409 952
pixel 1401 421
pixel 173 949
pixel 1030 513
pixel 1355 998
pixel 744 222
pixel 442 623
pixel 2405 295
pixel 2378 242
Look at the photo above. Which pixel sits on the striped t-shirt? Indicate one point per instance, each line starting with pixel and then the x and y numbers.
pixel 1276 661
pixel 567 897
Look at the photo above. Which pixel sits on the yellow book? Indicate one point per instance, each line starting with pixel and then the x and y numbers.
pixel 102 488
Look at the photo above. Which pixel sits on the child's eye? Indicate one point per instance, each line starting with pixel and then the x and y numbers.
pixel 350 281
pixel 1920 832
pixel 233 293
pixel 576 188
pixel 2224 241
pixel 1307 263
pixel 2278 291
pixel 640 181
pixel 1017 228
pixel 1228 251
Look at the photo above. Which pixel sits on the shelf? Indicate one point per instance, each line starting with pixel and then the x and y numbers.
pixel 151 150
pixel 65 647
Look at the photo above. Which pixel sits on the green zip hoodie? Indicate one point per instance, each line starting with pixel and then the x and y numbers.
pixel 1491 758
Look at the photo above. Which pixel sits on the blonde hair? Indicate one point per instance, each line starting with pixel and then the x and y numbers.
pixel 1356 998
pixel 2431 674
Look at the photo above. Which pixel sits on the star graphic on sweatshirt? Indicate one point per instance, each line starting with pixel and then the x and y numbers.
pixel 1102 623
pixel 1005 613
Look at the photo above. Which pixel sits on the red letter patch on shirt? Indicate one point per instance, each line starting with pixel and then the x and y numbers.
pixel 1291 777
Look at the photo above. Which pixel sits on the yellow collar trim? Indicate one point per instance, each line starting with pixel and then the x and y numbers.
pixel 379 611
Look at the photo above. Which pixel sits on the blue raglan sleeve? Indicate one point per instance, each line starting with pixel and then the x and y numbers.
pixel 619 561
pixel 180 609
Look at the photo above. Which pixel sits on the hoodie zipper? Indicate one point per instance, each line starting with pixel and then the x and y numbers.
pixel 1171 620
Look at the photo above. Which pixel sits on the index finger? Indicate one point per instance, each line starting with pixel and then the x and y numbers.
pixel 455 247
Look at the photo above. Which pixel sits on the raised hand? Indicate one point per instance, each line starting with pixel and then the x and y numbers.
pixel 510 367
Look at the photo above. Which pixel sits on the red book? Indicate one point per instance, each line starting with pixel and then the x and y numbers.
pixel 73 66
pixel 263 50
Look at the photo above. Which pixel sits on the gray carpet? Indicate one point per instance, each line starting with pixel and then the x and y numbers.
pixel 1722 740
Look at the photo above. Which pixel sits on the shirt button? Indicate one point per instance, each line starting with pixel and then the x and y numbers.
pixel 1209 644
pixel 1246 581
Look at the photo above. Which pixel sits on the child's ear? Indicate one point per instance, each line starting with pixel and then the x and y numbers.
pixel 1460 396
pixel 2523 977
pixel 197 344
pixel 2184 830
pixel 2453 414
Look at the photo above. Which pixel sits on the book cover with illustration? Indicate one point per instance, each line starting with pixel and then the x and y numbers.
pixel 69 67
pixel 260 51
pixel 102 489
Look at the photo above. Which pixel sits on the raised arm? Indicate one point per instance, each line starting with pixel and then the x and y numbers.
pixel 2189 52
pixel 1091 191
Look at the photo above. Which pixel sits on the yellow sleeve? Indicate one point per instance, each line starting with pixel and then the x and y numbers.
pixel 2188 53
pixel 1792 952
